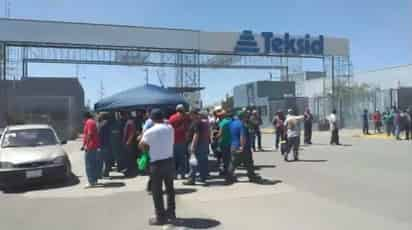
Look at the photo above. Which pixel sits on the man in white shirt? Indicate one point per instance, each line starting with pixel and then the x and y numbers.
pixel 333 123
pixel 159 141
pixel 293 134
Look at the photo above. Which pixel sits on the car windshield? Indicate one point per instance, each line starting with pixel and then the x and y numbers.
pixel 29 138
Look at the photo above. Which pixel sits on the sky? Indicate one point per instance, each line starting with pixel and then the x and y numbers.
pixel 380 32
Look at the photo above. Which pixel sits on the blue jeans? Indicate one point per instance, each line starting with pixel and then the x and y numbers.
pixel 93 169
pixel 202 163
pixel 397 131
pixel 180 155
pixel 105 161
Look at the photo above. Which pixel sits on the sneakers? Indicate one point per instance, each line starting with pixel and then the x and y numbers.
pixel 285 157
pixel 180 177
pixel 189 182
pixel 156 221
pixel 171 215
pixel 231 180
pixel 91 185
pixel 204 183
pixel 255 179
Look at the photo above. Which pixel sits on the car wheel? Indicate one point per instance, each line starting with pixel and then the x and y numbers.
pixel 68 169
pixel 65 178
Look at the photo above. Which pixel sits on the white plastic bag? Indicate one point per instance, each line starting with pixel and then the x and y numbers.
pixel 193 160
pixel 291 156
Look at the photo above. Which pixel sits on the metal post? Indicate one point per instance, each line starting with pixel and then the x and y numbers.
pixel 147 76
pixel 25 69
pixel 24 62
pixel 287 73
pixel 333 82
pixel 3 62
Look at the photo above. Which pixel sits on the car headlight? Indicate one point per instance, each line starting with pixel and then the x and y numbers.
pixel 6 165
pixel 59 160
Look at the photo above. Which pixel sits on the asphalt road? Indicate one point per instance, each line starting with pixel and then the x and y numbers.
pixel 365 184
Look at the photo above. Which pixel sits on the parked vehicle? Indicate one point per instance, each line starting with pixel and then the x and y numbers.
pixel 32 154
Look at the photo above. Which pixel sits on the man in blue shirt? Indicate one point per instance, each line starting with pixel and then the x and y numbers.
pixel 241 148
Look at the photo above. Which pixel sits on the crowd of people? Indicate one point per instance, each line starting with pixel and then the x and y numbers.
pixel 178 144
pixel 287 131
pixel 394 122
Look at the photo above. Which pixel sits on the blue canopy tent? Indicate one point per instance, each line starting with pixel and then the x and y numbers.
pixel 142 97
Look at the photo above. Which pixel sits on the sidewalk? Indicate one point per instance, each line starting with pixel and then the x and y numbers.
pixel 356 133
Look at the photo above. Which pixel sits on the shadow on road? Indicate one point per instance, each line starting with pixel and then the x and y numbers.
pixel 211 183
pixel 44 185
pixel 120 177
pixel 111 185
pixel 311 161
pixel 195 223
pixel 268 182
pixel 259 167
pixel 183 191
pixel 263 181
pixel 316 144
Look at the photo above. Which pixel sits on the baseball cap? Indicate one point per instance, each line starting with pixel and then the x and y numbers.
pixel 180 107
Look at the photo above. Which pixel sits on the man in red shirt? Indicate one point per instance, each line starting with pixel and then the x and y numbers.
pixel 377 121
pixel 180 122
pixel 91 146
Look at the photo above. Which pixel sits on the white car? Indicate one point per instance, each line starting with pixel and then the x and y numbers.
pixel 30 154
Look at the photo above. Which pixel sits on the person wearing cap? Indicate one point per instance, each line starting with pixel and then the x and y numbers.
pixel 293 134
pixel 225 139
pixel 158 140
pixel 241 148
pixel 199 140
pixel 180 122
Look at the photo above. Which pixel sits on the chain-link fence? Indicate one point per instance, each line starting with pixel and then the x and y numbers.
pixel 350 102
